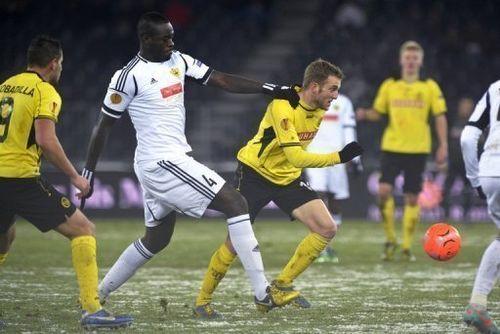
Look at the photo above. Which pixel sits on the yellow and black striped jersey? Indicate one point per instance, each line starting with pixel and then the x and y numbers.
pixel 24 98
pixel 408 106
pixel 282 126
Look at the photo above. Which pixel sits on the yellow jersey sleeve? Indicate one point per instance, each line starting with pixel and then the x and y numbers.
pixel 303 159
pixel 281 116
pixel 438 103
pixel 50 102
pixel 381 103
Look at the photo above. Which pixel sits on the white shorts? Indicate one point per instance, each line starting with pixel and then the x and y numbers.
pixel 491 188
pixel 330 180
pixel 178 183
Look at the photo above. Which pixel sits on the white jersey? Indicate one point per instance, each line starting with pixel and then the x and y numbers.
pixel 337 128
pixel 153 94
pixel 486 114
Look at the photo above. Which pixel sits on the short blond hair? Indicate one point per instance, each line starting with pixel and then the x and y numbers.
pixel 319 70
pixel 411 45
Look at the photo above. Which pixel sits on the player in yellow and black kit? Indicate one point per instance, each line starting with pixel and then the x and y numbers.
pixel 270 168
pixel 408 102
pixel 29 109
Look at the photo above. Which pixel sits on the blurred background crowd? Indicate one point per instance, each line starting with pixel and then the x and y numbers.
pixel 268 40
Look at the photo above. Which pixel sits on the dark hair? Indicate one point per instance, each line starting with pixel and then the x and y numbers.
pixel 42 50
pixel 319 70
pixel 146 22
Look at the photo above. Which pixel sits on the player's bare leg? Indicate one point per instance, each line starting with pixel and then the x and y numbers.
pixel 318 220
pixel 6 240
pixel 335 207
pixel 386 205
pixel 155 239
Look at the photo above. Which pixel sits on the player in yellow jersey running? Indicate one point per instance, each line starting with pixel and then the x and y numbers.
pixel 29 110
pixel 270 170
pixel 408 102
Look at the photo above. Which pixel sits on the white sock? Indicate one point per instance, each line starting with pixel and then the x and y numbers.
pixel 247 248
pixel 337 217
pixel 487 274
pixel 125 267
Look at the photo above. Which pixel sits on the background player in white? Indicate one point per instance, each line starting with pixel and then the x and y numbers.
pixel 151 88
pixel 484 176
pixel 337 128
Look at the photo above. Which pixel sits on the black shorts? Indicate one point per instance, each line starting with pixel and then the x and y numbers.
pixel 412 166
pixel 35 200
pixel 259 192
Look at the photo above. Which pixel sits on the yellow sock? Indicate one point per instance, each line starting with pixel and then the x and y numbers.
pixel 217 269
pixel 387 211
pixel 410 220
pixel 83 251
pixel 307 251
pixel 3 257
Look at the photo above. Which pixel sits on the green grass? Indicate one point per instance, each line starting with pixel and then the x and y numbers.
pixel 360 294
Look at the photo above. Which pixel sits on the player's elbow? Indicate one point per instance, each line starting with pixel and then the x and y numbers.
pixel 469 137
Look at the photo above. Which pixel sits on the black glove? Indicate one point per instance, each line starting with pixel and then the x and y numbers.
pixel 350 151
pixel 89 175
pixel 282 93
pixel 480 193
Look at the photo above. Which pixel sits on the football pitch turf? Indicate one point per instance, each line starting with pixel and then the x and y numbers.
pixel 361 294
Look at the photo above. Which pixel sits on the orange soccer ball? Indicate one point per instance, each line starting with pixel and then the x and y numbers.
pixel 442 241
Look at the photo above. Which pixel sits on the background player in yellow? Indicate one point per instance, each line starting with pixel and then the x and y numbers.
pixel 29 109
pixel 408 102
pixel 270 170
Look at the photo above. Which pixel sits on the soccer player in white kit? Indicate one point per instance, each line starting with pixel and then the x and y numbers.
pixel 337 128
pixel 484 176
pixel 151 88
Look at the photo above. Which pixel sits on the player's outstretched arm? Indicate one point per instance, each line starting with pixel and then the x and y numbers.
pixel 238 84
pixel 300 158
pixel 98 140
pixel 46 139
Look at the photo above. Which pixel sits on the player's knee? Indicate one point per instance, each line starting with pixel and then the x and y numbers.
pixel 383 195
pixel 155 244
pixel 384 191
pixel 236 204
pixel 230 202
pixel 327 229
pixel 411 199
pixel 79 229
pixel 239 205
pixel 86 228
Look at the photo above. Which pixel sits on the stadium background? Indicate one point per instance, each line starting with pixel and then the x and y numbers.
pixel 270 41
